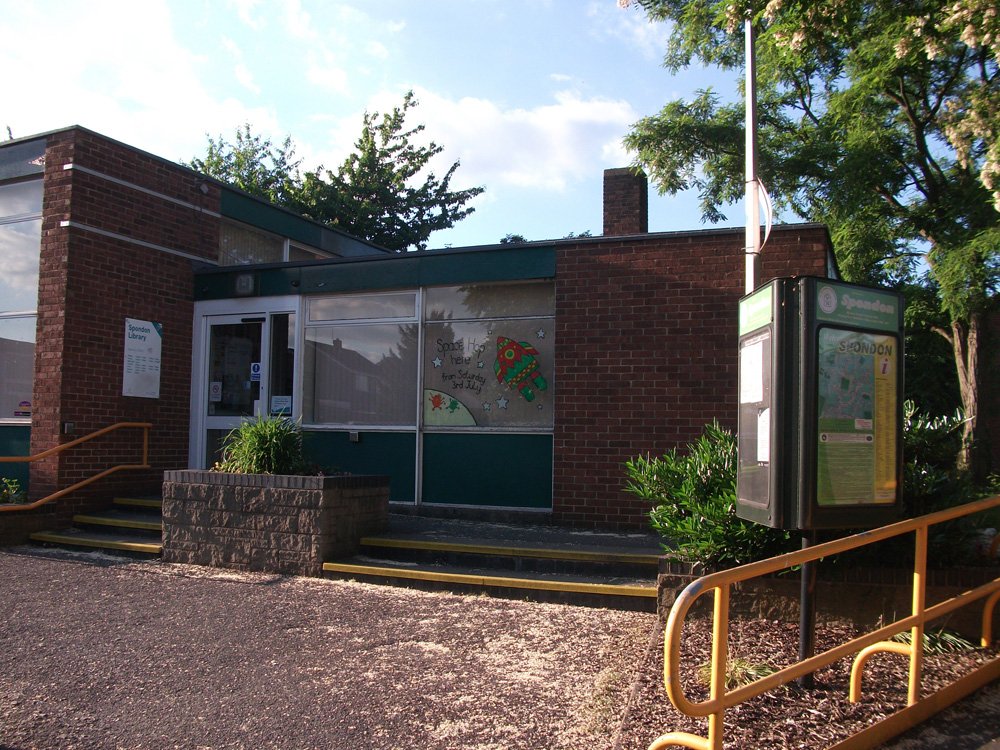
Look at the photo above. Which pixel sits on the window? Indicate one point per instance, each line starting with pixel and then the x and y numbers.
pixel 241 245
pixel 360 360
pixel 488 356
pixel 20 244
pixel 17 366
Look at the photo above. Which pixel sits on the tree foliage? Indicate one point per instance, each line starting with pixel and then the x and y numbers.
pixel 877 118
pixel 383 192
pixel 375 193
pixel 254 164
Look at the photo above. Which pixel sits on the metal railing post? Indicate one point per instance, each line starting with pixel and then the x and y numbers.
pixel 917 631
pixel 861 647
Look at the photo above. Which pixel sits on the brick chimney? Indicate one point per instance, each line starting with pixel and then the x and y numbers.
pixel 626 202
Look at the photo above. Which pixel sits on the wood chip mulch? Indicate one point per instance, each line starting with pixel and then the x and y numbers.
pixel 790 717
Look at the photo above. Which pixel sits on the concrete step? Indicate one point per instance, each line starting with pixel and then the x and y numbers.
pixel 112 541
pixel 515 556
pixel 602 591
pixel 148 503
pixel 514 560
pixel 131 526
pixel 121 518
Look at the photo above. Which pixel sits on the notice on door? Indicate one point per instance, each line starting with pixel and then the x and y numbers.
pixel 141 370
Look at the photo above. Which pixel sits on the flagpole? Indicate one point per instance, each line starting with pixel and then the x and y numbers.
pixel 752 192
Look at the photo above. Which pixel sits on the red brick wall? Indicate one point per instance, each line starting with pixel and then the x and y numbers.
pixel 646 353
pixel 626 203
pixel 89 283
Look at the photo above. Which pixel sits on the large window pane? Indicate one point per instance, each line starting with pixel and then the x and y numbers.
pixel 21 200
pixel 489 301
pixel 17 367
pixel 361 374
pixel 489 373
pixel 363 307
pixel 239 245
pixel 20 243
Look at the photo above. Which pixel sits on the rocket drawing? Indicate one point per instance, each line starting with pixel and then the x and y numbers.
pixel 517 367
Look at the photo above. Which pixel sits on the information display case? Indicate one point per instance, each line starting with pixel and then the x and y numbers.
pixel 820 404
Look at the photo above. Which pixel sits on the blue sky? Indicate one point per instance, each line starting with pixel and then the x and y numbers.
pixel 532 96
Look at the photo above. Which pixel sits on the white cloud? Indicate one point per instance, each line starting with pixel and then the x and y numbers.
pixel 631 26
pixel 297 21
pixel 245 12
pixel 547 147
pixel 140 87
pixel 324 71
pixel 240 69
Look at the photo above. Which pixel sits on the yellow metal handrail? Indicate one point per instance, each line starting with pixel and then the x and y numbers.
pixel 864 646
pixel 144 426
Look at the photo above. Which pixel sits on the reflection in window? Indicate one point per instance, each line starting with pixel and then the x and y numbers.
pixel 363 307
pixel 490 301
pixel 361 374
pixel 240 245
pixel 17 366
pixel 20 244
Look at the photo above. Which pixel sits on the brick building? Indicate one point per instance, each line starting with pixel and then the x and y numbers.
pixel 501 377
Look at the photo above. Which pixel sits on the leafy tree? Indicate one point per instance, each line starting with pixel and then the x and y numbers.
pixel 254 164
pixel 382 192
pixel 878 118
pixel 377 193
pixel 513 239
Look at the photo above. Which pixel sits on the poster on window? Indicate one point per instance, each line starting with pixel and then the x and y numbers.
pixel 141 371
pixel 489 373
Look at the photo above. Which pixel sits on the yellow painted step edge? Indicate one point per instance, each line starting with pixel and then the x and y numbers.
pixel 556 554
pixel 139 502
pixel 44 536
pixel 496 581
pixel 118 522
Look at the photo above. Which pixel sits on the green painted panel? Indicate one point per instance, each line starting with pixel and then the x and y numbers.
pixel 15 440
pixel 390 453
pixel 263 215
pixel 493 470
pixel 393 272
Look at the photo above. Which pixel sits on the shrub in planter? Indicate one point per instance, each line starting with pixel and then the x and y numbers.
pixel 693 499
pixel 265 445
pixel 11 492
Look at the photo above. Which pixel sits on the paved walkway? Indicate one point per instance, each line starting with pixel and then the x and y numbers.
pixel 98 653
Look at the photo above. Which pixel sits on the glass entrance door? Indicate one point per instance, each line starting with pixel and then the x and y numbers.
pixel 247 370
pixel 234 377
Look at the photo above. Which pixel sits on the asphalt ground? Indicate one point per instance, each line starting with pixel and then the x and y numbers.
pixel 105 653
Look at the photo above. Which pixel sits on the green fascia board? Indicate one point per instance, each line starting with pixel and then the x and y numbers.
pixel 405 270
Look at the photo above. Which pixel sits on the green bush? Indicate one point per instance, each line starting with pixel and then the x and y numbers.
pixel 265 445
pixel 10 491
pixel 930 447
pixel 694 503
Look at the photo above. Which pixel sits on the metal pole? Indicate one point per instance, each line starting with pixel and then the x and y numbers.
pixel 807 610
pixel 752 247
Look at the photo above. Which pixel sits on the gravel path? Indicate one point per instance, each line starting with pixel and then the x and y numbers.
pixel 149 655
pixel 98 653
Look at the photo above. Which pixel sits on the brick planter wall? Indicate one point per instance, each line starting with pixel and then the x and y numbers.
pixel 260 522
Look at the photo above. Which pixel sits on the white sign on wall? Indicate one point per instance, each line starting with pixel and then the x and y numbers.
pixel 143 345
